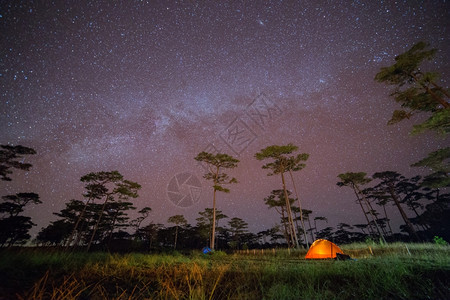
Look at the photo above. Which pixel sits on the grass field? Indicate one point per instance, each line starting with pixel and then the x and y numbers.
pixel 395 271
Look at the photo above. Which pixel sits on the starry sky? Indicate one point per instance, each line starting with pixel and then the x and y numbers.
pixel 143 86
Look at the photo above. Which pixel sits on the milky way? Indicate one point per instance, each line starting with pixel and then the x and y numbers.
pixel 143 86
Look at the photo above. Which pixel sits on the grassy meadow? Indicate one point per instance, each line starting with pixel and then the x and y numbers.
pixel 394 271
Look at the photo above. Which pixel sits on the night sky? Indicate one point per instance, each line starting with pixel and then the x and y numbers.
pixel 143 86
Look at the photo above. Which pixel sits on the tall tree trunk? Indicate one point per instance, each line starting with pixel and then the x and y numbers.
pixel 285 226
pixel 311 230
pixel 301 211
pixel 402 212
pixel 176 237
pixel 370 211
pixel 213 234
pixel 69 241
pixel 113 223
pixel 388 221
pixel 370 228
pixel 289 212
pixel 441 89
pixel 374 215
pixel 418 216
pixel 97 224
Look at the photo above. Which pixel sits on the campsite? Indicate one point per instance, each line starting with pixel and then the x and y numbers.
pixel 248 150
pixel 395 271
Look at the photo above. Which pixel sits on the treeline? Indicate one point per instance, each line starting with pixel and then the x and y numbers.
pixel 101 221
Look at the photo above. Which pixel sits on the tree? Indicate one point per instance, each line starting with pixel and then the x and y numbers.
pixel 12 157
pixel 296 164
pixel 15 204
pixel 381 199
pixel 435 217
pixel 354 180
pixel 319 219
pixel 280 164
pixel 238 229
pixel 326 233
pixel 276 200
pixel 149 233
pixel 177 220
pixel 55 234
pixel 109 186
pixel 439 162
pixel 413 193
pixel 416 90
pixel 116 217
pixel 389 180
pixel 209 218
pixel 343 235
pixel 306 215
pixel 136 223
pixel 13 226
pixel 216 163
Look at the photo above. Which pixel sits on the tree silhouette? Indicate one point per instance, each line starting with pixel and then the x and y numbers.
pixel 277 201
pixel 177 220
pixel 55 233
pixel 109 186
pixel 389 180
pixel 319 219
pixel 354 180
pixel 209 219
pixel 10 157
pixel 14 227
pixel 381 199
pixel 306 215
pixel 238 229
pixel 136 223
pixel 216 163
pixel 296 164
pixel 439 162
pixel 280 164
pixel 416 90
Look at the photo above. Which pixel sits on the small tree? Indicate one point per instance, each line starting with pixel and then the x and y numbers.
pixel 216 163
pixel 136 223
pixel 177 220
pixel 238 229
pixel 55 233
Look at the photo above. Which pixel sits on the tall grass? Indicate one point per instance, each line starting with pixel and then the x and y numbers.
pixel 391 273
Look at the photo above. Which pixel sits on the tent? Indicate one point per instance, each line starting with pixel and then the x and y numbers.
pixel 206 250
pixel 323 249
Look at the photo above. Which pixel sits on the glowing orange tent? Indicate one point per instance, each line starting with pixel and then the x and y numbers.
pixel 322 249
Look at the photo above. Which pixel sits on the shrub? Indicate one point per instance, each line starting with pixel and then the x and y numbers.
pixel 439 241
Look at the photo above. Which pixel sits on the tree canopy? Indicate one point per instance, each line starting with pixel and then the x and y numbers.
pixel 10 157
pixel 417 90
